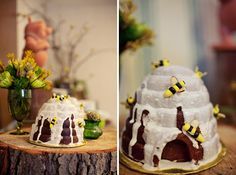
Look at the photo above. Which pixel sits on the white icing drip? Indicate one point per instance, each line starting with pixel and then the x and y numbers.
pixel 71 134
pixel 133 112
pixel 61 110
pixel 195 143
pixel 136 125
pixel 40 128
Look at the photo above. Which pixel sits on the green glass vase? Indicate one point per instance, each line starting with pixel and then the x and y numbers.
pixel 19 102
pixel 92 129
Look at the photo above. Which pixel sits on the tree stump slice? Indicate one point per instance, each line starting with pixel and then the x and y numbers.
pixel 97 157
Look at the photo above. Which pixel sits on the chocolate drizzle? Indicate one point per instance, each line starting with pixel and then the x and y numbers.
pixel 35 136
pixel 155 160
pixel 66 139
pixel 127 134
pixel 181 149
pixel 45 131
pixel 74 135
pixel 138 147
pixel 180 118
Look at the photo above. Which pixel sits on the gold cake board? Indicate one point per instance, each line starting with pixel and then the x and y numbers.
pixel 136 166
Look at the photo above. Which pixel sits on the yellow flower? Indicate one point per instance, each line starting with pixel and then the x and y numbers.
pixel 15 63
pixel 49 85
pixel 1 67
pixel 5 79
pixel 38 84
pixel 44 74
pixel 28 54
pixel 11 56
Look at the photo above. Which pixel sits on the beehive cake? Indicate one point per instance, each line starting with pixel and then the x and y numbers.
pixel 59 123
pixel 171 126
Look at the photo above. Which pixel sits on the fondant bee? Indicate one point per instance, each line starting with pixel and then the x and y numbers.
pixel 216 112
pixel 60 97
pixel 53 122
pixel 199 74
pixel 63 97
pixel 81 123
pixel 164 62
pixel 55 96
pixel 81 106
pixel 178 86
pixel 191 129
pixel 130 101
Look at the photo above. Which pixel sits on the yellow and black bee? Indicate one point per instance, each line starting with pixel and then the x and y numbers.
pixel 56 96
pixel 216 112
pixel 164 62
pixel 199 74
pixel 62 97
pixel 191 129
pixel 177 86
pixel 53 122
pixel 81 123
pixel 130 101
pixel 81 106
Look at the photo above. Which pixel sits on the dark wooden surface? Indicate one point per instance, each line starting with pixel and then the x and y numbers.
pixel 226 167
pixel 18 156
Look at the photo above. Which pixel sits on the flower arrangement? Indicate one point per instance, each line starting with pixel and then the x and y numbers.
pixel 92 128
pixel 93 115
pixel 23 73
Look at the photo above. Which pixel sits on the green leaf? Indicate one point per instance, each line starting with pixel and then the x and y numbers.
pixel 38 71
pixel 21 83
pixel 5 79
pixel 11 70
pixel 38 84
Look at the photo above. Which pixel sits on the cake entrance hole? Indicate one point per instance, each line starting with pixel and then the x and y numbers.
pixel 176 150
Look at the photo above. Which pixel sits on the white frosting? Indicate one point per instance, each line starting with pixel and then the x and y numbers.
pixel 160 124
pixel 61 110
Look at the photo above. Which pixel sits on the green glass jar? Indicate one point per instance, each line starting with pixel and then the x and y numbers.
pixel 92 129
pixel 19 102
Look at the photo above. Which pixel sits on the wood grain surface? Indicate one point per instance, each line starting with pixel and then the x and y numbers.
pixel 18 156
pixel 226 167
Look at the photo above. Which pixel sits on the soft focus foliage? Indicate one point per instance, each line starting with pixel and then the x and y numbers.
pixel 133 34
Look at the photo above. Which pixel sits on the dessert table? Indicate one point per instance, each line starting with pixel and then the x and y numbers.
pixel 18 156
pixel 226 166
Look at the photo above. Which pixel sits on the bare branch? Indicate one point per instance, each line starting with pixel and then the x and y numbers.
pixel 89 56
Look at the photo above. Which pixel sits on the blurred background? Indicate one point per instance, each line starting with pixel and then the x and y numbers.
pixel 82 53
pixel 189 33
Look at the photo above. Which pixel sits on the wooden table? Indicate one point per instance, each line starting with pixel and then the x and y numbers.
pixel 226 167
pixel 18 156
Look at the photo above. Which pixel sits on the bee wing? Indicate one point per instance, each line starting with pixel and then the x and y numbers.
pixel 154 65
pixel 195 123
pixel 182 89
pixel 220 115
pixel 173 80
pixel 216 108
pixel 204 74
